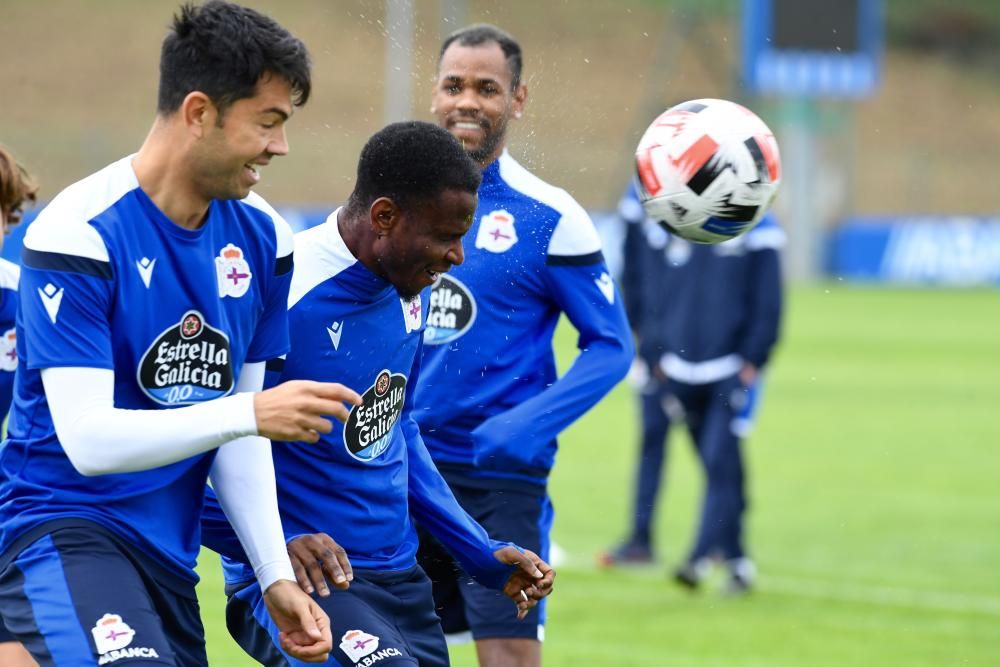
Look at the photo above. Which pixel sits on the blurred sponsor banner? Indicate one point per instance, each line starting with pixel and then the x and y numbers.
pixel 920 250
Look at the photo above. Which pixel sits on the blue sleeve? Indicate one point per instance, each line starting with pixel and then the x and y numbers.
pixel 434 507
pixel 271 337
pixel 216 532
pixel 65 309
pixel 593 305
pixel 632 273
pixel 765 307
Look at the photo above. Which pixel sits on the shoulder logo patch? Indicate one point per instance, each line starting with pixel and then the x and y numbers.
pixel 412 311
pixel 51 298
pixel 496 232
pixel 336 330
pixel 607 286
pixel 232 272
pixel 8 350
pixel 145 266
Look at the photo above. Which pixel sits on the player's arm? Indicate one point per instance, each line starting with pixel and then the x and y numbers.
pixel 100 439
pixel 67 288
pixel 242 477
pixel 577 279
pixel 519 573
pixel 764 245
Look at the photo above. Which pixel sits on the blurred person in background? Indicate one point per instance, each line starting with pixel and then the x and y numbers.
pixel 706 319
pixel 16 188
pixel 489 403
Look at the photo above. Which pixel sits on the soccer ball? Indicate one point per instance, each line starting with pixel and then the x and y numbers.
pixel 707 170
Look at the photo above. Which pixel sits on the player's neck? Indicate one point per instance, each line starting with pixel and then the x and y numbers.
pixel 359 239
pixel 163 176
pixel 485 163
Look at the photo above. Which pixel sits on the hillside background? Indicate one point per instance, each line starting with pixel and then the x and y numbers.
pixel 78 86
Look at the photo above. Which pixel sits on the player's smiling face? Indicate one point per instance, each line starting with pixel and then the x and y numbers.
pixel 426 241
pixel 243 141
pixel 473 98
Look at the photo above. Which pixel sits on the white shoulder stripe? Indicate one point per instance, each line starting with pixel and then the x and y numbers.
pixel 282 230
pixel 320 254
pixel 574 233
pixel 10 273
pixel 63 227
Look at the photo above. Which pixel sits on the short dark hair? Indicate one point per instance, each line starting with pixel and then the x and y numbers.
pixel 484 33
pixel 223 50
pixel 411 162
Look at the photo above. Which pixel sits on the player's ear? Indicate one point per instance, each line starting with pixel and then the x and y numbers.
pixel 519 100
pixel 198 112
pixel 383 215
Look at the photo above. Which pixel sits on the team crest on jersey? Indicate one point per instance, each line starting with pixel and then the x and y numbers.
pixel 357 644
pixel 8 350
pixel 412 310
pixel 496 232
pixel 232 272
pixel 188 363
pixel 113 638
pixel 451 313
pixel 368 429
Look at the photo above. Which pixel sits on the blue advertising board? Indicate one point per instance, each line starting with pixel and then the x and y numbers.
pixel 920 250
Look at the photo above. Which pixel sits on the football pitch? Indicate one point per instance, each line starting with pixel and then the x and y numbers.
pixel 875 511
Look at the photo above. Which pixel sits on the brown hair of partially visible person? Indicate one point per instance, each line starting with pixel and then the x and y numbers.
pixel 16 187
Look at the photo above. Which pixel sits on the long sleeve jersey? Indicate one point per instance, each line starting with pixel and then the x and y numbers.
pixel 109 282
pixel 489 402
pixel 364 483
pixel 700 311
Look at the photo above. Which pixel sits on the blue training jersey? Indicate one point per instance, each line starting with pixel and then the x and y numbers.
pixel 9 274
pixel 488 402
pixel 361 483
pixel 110 282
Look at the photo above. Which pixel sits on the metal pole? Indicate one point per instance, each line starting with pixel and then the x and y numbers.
pixel 399 27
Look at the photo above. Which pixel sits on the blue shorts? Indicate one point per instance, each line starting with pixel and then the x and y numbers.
pixel 80 596
pixel 522 516
pixel 384 618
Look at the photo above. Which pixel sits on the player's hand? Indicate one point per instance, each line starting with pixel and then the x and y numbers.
pixel 748 373
pixel 305 628
pixel 530 583
pixel 317 558
pixel 295 410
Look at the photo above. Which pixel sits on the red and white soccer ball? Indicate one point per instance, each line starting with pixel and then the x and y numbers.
pixel 708 170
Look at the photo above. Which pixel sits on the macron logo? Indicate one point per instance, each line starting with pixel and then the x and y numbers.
pixel 607 287
pixel 145 266
pixel 335 330
pixel 51 298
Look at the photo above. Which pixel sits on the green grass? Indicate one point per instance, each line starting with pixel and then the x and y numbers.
pixel 875 520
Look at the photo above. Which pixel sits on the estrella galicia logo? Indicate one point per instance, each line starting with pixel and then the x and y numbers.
pixel 452 311
pixel 368 428
pixel 188 363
